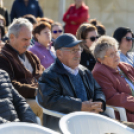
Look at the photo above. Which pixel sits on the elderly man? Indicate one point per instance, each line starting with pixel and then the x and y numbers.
pixel 67 86
pixel 23 67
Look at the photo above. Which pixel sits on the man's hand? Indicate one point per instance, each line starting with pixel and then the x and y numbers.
pixel 90 106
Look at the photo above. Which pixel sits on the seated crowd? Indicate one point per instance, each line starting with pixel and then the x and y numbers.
pixel 65 72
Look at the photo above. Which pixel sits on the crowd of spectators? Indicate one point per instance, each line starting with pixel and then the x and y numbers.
pixel 76 67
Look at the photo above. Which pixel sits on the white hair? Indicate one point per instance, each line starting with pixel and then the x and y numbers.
pixel 102 45
pixel 17 24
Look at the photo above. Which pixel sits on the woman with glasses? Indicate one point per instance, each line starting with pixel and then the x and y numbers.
pixel 125 38
pixel 42 47
pixel 87 33
pixel 116 78
pixel 56 31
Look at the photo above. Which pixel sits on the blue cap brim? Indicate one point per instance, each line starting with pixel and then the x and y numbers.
pixel 74 43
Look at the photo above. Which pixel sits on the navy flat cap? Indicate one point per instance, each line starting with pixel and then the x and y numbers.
pixel 66 40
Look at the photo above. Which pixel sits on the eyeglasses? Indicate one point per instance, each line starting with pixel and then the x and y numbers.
pixel 112 55
pixel 129 38
pixel 93 38
pixel 74 51
pixel 59 31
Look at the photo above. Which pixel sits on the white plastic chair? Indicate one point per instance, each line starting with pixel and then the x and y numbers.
pixel 24 128
pixel 38 120
pixel 91 123
pixel 122 112
pixel 50 112
pixel 109 111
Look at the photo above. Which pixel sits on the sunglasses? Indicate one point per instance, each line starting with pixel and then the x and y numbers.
pixel 93 38
pixel 129 38
pixel 59 31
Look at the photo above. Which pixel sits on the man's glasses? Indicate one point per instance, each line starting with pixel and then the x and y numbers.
pixel 93 38
pixel 59 31
pixel 73 51
pixel 129 38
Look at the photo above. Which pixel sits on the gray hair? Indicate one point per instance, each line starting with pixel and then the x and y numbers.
pixel 17 24
pixel 102 45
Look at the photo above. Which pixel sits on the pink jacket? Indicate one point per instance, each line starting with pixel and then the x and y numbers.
pixel 115 88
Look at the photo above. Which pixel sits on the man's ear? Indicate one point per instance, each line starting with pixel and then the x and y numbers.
pixel 59 54
pixel 12 36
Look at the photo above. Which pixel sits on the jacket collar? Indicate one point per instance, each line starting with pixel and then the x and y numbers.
pixel 103 67
pixel 59 68
pixel 55 67
pixel 14 50
pixel 125 68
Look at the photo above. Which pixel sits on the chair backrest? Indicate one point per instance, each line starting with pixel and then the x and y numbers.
pixel 50 112
pixel 24 128
pixel 90 123
pixel 122 112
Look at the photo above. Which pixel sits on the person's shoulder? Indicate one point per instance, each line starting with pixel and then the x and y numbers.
pixel 72 6
pixel 85 7
pixel 130 54
pixel 35 1
pixel 32 48
pixel 33 55
pixel 17 1
pixel 49 74
pixel 100 69
pixel 124 64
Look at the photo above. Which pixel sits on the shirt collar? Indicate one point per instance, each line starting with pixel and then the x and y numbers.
pixel 70 70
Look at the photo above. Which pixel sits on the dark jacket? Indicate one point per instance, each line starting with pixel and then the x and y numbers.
pixel 13 106
pixel 19 9
pixel 56 91
pixel 22 79
pixel 87 60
